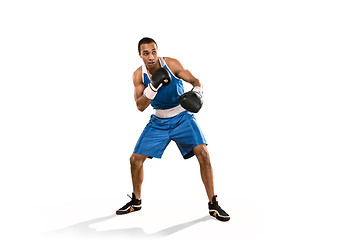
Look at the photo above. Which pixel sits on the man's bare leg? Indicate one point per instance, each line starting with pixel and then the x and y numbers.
pixel 206 171
pixel 137 173
pixel 207 177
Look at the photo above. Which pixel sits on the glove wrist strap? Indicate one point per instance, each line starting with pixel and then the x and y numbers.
pixel 198 90
pixel 150 92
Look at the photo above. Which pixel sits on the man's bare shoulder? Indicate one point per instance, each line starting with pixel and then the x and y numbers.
pixel 171 61
pixel 138 71
pixel 137 75
pixel 173 64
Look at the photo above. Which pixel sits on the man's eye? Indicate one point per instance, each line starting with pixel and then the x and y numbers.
pixel 145 54
pixel 154 52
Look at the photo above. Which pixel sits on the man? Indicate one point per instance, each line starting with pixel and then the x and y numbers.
pixel 159 83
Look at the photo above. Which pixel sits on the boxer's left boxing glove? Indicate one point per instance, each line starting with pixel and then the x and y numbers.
pixel 192 100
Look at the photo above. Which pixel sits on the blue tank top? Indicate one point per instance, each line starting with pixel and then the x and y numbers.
pixel 168 96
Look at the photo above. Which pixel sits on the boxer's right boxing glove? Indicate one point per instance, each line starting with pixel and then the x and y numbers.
pixel 161 77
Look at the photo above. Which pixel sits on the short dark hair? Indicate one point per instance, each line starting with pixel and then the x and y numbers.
pixel 146 40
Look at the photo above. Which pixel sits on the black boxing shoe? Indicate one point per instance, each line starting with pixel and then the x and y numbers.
pixel 132 206
pixel 216 211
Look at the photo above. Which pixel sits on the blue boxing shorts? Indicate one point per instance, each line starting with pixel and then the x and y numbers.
pixel 182 129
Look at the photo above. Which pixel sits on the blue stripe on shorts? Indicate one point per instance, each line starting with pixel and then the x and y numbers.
pixel 182 129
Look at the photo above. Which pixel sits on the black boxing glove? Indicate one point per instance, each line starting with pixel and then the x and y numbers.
pixel 161 77
pixel 192 100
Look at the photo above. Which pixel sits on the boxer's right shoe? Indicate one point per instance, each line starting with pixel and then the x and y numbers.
pixel 132 206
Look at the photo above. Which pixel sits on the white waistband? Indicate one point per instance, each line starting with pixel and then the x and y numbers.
pixel 160 113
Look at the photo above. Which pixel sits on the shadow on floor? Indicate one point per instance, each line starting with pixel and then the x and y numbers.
pixel 83 229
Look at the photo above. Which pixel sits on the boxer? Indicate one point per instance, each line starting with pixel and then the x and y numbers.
pixel 159 83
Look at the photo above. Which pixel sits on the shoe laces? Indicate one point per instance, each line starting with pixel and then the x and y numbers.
pixel 215 203
pixel 132 199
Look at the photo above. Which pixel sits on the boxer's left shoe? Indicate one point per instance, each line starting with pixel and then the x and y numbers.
pixel 216 211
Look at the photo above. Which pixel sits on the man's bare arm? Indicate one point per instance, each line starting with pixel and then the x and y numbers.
pixel 141 101
pixel 178 69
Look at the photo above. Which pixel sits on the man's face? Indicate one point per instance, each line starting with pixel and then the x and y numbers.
pixel 148 53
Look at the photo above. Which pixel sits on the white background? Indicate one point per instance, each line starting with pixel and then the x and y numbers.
pixel 281 116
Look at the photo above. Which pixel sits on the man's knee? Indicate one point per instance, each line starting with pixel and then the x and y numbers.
pixel 137 159
pixel 202 154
